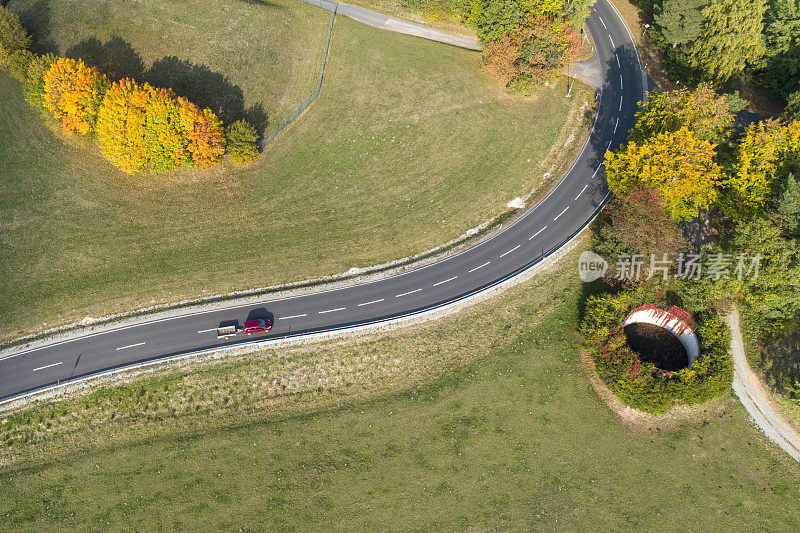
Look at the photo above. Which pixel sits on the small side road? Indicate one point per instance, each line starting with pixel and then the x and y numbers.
pixel 755 398
pixel 385 22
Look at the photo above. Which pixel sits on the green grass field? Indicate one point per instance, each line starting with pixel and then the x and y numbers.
pixel 409 145
pixel 476 429
pixel 235 54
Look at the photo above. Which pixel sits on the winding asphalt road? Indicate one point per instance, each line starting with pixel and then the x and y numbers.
pixel 541 231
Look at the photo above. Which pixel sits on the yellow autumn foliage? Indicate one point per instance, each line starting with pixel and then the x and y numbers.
pixel 678 164
pixel 121 125
pixel 73 92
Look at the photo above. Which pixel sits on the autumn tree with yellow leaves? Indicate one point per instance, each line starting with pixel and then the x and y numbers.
pixel 121 123
pixel 140 124
pixel 678 164
pixel 73 92
pixel 768 152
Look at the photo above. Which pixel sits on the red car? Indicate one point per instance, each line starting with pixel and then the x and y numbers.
pixel 257 326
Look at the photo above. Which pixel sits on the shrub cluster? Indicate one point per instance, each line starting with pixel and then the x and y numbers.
pixel 537 49
pixel 639 384
pixel 136 125
pixel 241 139
pixel 14 44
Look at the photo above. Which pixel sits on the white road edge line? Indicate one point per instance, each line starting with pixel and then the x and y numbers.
pixel 561 213
pixel 130 346
pixel 207 330
pixel 582 191
pixel 370 303
pixel 332 310
pixel 47 366
pixel 514 249
pixel 616 125
pixel 601 21
pixel 445 281
pixel 293 316
pixel 407 293
pixel 537 234
pixel 478 267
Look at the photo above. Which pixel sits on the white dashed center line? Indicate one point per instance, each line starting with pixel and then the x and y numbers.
pixel 537 233
pixel 615 55
pixel 47 366
pixel 561 213
pixel 130 346
pixel 582 190
pixel 620 103
pixel 479 267
pixel 612 41
pixel 293 316
pixel 616 125
pixel 445 281
pixel 620 81
pixel 603 23
pixel 370 303
pixel 514 249
pixel 332 310
pixel 596 171
pixel 407 293
pixel 207 330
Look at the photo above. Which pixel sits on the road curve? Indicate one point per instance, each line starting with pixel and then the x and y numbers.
pixel 541 231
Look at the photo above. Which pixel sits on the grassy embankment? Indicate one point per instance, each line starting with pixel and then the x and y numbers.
pixel 490 426
pixel 409 145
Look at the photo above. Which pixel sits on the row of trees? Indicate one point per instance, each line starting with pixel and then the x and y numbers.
pixel 683 145
pixel 137 125
pixel 718 39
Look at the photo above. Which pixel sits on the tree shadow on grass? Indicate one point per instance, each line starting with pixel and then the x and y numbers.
pixel 265 3
pixel 783 357
pixel 115 58
pixel 36 20
pixel 206 88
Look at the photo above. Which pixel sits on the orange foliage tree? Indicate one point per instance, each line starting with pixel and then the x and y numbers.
pixel 536 50
pixel 121 125
pixel 205 133
pixel 73 92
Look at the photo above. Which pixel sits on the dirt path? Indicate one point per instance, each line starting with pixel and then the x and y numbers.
pixel 755 398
